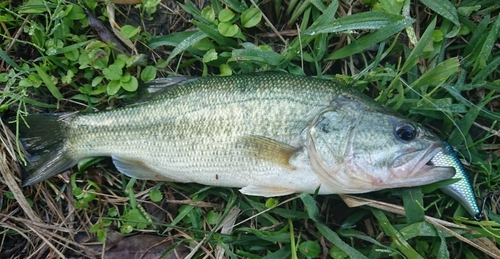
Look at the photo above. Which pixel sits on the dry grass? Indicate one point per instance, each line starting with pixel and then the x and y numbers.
pixel 47 228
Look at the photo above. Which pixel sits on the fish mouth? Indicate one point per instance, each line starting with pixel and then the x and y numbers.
pixel 423 171
pixel 426 161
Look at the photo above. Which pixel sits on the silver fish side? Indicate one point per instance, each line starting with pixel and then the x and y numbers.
pixel 269 134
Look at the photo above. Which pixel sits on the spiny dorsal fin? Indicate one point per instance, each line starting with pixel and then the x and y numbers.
pixel 269 150
pixel 150 90
pixel 166 82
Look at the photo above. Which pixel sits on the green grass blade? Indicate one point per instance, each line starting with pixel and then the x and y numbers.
pixel 48 83
pixel 281 253
pixel 457 95
pixel 72 47
pixel 310 204
pixel 464 125
pixel 363 21
pixel 291 6
pixel 412 59
pixel 328 16
pixel 180 217
pixel 238 6
pixel 438 74
pixel 9 61
pixel 320 5
pixel 225 246
pixel 258 55
pixel 320 48
pixel 216 5
pixel 172 39
pixel 475 39
pixel 381 54
pixel 487 46
pixel 37 103
pixel 260 207
pixel 214 34
pixel 444 8
pixel 418 229
pixel 356 234
pixel 361 44
pixel 194 11
pixel 336 241
pixel 480 77
pixel 443 249
pixel 425 229
pixel 271 236
pixel 413 203
pixel 312 210
pixel 299 11
pixel 185 44
pixel 397 238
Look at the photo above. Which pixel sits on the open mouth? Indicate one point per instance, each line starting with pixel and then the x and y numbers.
pixel 420 163
pixel 420 167
pixel 433 162
pixel 427 159
pixel 440 158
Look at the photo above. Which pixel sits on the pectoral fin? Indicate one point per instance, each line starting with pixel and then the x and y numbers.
pixel 269 150
pixel 265 191
pixel 136 168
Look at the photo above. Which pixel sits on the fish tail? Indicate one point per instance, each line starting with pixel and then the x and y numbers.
pixel 43 137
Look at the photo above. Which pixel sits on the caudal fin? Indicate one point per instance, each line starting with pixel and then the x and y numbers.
pixel 43 138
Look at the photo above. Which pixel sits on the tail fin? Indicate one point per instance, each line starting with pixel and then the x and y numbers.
pixel 43 137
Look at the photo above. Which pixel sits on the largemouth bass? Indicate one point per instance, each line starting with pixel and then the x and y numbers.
pixel 268 134
pixel 462 190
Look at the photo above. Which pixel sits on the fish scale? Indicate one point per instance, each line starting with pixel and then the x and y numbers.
pixel 211 127
pixel 269 134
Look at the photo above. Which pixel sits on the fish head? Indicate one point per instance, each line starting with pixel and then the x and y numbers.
pixel 355 149
pixel 414 147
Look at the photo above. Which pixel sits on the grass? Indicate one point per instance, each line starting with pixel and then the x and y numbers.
pixel 435 61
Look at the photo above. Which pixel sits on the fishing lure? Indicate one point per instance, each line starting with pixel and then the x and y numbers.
pixel 462 190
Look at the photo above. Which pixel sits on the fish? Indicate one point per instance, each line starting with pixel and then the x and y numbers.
pixel 269 134
pixel 461 190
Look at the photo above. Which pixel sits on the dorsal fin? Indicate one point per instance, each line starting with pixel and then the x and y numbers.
pixel 149 90
pixel 166 82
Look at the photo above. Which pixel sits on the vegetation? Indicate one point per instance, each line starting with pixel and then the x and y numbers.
pixel 436 61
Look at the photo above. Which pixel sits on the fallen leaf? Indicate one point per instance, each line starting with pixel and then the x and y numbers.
pixel 146 247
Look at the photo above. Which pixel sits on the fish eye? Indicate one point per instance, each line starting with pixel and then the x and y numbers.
pixel 405 132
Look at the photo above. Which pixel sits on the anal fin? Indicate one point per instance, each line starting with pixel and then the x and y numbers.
pixel 135 168
pixel 265 191
pixel 269 150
